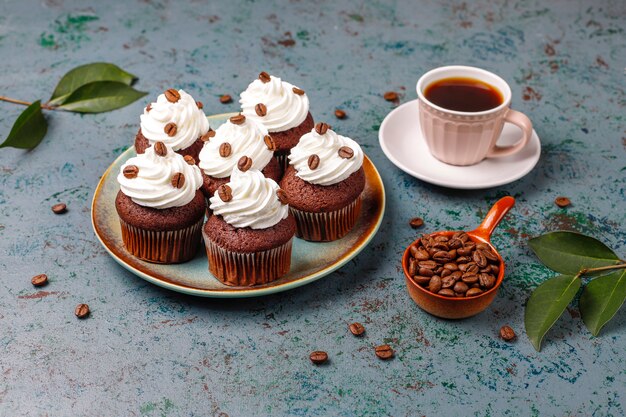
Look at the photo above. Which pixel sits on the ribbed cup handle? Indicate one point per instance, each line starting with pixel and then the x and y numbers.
pixel 523 122
pixel 494 217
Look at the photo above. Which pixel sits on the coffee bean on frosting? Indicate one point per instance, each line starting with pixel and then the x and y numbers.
pixel 244 163
pixel 225 150
pixel 172 95
pixel 178 180
pixel 265 77
pixel 269 142
pixel 149 107
pixel 314 162
pixel 282 196
pixel 208 135
pixel 160 149
pixel 170 129
pixel 225 193
pixel 238 119
pixel 189 159
pixel 199 105
pixel 298 91
pixel 321 128
pixel 130 171
pixel 260 109
pixel 346 152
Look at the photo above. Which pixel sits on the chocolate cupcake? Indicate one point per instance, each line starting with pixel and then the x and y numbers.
pixel 324 183
pixel 234 141
pixel 175 119
pixel 282 108
pixel 248 238
pixel 160 205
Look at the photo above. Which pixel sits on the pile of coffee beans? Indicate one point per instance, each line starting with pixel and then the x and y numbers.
pixel 454 266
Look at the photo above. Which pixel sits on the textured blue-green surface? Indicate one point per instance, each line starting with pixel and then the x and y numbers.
pixel 146 351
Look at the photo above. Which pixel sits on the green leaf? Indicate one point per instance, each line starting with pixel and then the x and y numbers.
pixel 546 304
pixel 569 252
pixel 101 96
pixel 29 128
pixel 601 299
pixel 85 74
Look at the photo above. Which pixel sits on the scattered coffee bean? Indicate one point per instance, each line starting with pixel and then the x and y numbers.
pixel 390 96
pixel 340 114
pixel 172 95
pixel 298 91
pixel 384 352
pixel 225 99
pixel 416 222
pixel 59 208
pixel 507 333
pixel 81 311
pixel 318 357
pixel 453 266
pixel 562 201
pixel 39 280
pixel 357 329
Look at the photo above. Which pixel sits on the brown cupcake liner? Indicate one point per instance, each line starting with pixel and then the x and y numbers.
pixel 327 226
pixel 163 247
pixel 250 268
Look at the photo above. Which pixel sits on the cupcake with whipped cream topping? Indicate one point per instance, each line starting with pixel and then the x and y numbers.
pixel 175 119
pixel 238 141
pixel 248 238
pixel 281 107
pixel 160 205
pixel 324 183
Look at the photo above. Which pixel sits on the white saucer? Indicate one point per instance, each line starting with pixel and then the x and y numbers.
pixel 402 142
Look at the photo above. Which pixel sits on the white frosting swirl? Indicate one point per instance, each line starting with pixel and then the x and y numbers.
pixel 191 122
pixel 285 109
pixel 246 139
pixel 254 203
pixel 332 167
pixel 152 187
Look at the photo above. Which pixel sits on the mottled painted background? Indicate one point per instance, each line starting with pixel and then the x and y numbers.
pixel 146 351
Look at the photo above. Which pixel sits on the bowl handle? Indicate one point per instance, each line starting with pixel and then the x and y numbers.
pixel 493 218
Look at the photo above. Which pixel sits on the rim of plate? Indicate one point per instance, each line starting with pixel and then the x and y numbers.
pixel 237 292
pixel 448 184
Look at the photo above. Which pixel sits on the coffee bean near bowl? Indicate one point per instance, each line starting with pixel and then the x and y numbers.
pixel 456 274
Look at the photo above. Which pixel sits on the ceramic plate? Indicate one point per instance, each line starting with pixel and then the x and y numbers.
pixel 402 142
pixel 310 261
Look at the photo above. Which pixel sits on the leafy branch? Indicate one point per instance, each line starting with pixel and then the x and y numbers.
pixel 574 256
pixel 91 88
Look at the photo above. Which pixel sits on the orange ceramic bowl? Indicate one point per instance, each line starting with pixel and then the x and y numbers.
pixel 460 307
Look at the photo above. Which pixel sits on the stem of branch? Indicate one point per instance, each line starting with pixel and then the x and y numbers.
pixel 602 268
pixel 26 103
